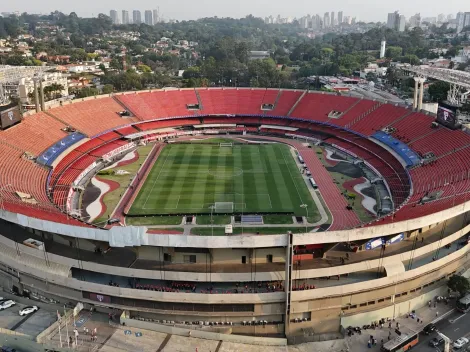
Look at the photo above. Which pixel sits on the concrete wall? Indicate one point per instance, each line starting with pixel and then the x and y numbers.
pixel 263 341
pixel 394 310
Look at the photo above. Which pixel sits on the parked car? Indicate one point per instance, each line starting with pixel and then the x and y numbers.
pixel 7 349
pixel 437 341
pixel 429 328
pixel 28 310
pixel 460 342
pixel 7 304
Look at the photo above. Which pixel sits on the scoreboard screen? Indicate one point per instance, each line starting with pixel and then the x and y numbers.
pixel 447 115
pixel 9 117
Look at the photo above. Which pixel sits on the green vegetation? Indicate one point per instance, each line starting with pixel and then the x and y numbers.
pixel 154 220
pixel 190 178
pixel 460 284
pixel 218 219
pixel 353 197
pixel 220 231
pixel 277 219
pixel 111 199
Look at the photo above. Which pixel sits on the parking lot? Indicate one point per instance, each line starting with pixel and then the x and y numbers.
pixel 32 324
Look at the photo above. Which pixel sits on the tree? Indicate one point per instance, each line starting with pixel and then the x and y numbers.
pixel 371 77
pixel 108 89
pixel 459 284
pixel 438 91
pixel 393 52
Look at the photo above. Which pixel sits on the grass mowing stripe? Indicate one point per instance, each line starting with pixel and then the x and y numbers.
pixel 271 184
pixel 197 183
pixel 282 182
pixel 251 204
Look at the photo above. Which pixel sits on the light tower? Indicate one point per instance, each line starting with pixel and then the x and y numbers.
pixel 382 48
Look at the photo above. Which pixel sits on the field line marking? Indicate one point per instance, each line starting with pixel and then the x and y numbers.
pixel 156 179
pixel 292 178
pixel 177 203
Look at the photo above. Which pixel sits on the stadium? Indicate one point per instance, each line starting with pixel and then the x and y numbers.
pixel 252 212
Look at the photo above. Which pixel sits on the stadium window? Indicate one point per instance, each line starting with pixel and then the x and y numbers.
pixel 363 305
pixel 269 258
pixel 353 306
pixel 243 259
pixel 381 300
pixel 189 258
pixel 404 293
pixel 167 257
pixel 389 298
pixel 370 303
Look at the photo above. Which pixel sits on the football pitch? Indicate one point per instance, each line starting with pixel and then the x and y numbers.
pixel 201 178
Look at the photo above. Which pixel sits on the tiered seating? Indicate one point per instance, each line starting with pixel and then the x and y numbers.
pixel 413 126
pixel 21 175
pixel 71 174
pixel 378 119
pixel 270 96
pixel 285 103
pixel 362 107
pixel 92 116
pixel 153 125
pixel 126 131
pixel 35 133
pixel 314 106
pixel 441 142
pixel 158 104
pixel 104 149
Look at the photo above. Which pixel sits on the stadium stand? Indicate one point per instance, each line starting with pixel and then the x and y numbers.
pixel 35 139
pixel 91 116
pixel 158 104
pixel 412 127
pixel 314 106
pixel 378 119
pixel 285 102
pixel 442 142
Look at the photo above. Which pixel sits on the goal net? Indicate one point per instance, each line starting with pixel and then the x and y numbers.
pixel 227 145
pixel 223 207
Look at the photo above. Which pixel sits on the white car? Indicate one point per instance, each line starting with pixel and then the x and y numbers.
pixel 460 342
pixel 28 310
pixel 7 304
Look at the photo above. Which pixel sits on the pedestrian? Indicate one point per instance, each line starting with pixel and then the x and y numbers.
pixel 84 330
pixel 437 314
pixel 389 324
pixel 429 304
pixel 398 325
pixel 87 331
pixel 422 239
pixel 382 342
pixel 95 331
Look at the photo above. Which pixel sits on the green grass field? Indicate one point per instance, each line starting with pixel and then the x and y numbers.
pixel 190 178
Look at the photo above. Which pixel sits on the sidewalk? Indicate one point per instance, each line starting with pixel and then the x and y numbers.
pixel 358 343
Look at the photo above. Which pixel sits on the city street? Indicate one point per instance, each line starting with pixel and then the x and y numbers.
pixel 454 326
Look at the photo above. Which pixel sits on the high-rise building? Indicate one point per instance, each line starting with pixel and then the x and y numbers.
pixel 340 17
pixel 466 21
pixel 392 19
pixel 415 21
pixel 353 20
pixel 136 17
pixel 114 16
pixel 125 17
pixel 332 19
pixel 156 16
pixel 396 21
pixel 148 15
pixel 460 21
pixel 441 18
pixel 450 17
pixel 326 20
pixel 401 23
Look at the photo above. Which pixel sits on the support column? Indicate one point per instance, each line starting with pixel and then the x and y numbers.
pixel 36 95
pixel 43 105
pixel 288 282
pixel 415 99
pixel 421 92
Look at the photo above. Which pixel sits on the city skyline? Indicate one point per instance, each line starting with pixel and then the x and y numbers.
pixel 366 10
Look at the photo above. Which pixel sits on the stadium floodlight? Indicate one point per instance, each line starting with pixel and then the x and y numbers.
pixel 306 218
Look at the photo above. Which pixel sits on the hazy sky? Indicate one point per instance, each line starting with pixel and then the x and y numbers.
pixel 368 10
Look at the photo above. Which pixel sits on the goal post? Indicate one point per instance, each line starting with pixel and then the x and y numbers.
pixel 223 207
pixel 226 145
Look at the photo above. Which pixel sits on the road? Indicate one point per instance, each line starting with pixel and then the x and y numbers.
pixel 454 326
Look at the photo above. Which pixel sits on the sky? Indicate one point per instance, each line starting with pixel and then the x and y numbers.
pixel 366 10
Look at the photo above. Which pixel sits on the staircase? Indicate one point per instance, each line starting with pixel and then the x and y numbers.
pixel 360 117
pixel 296 103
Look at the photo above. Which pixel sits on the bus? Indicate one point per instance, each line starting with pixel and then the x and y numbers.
pixel 407 339
pixel 301 160
pixel 463 304
pixel 313 183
